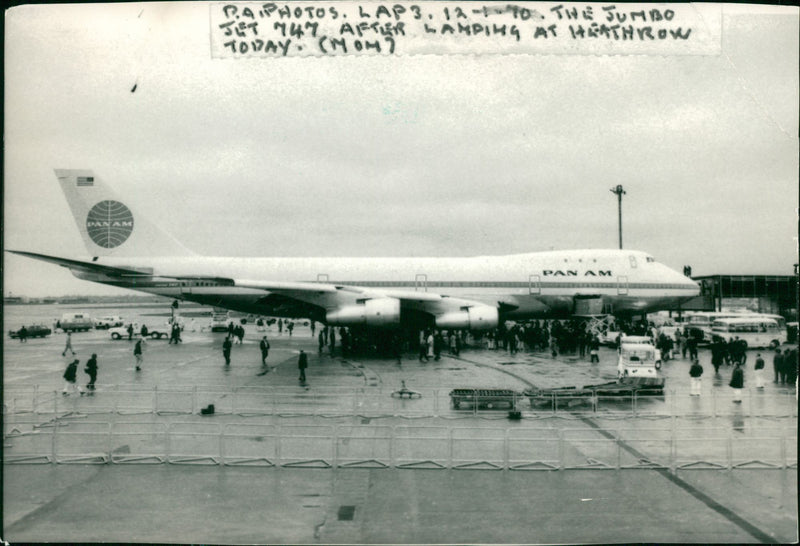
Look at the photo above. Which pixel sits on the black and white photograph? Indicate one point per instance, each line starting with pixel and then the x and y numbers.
pixel 369 272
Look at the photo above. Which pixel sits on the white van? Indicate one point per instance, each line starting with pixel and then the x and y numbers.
pixel 756 332
pixel 75 322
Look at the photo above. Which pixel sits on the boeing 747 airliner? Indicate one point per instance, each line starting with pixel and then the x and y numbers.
pixel 128 251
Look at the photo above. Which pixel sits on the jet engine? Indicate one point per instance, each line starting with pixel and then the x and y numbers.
pixel 480 317
pixel 374 312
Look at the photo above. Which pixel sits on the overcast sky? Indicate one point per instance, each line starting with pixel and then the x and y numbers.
pixel 443 155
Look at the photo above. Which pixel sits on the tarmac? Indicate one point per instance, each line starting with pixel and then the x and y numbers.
pixel 341 460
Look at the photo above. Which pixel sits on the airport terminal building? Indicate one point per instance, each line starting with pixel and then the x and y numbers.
pixel 775 294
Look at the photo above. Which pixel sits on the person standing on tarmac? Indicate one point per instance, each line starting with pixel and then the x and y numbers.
pixel 594 350
pixel 423 347
pixel 695 372
pixel 264 346
pixel 302 364
pixel 777 365
pixel 759 371
pixel 717 355
pixel 321 339
pixel 691 344
pixel 737 383
pixel 68 345
pixel 23 335
pixel 70 375
pixel 226 350
pixel 91 369
pixel 138 353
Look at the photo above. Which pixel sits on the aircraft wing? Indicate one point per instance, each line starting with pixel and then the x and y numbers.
pixel 448 312
pixel 339 304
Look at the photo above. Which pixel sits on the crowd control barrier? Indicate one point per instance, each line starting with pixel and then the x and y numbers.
pixel 514 448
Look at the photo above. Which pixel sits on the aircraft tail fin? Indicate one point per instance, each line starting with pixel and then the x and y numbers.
pixel 107 225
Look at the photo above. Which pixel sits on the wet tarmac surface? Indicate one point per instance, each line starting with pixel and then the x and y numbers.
pixel 341 460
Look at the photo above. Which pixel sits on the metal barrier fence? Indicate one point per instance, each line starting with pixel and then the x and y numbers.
pixel 69 441
pixel 375 402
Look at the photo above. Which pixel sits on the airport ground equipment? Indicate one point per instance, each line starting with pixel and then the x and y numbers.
pixel 75 322
pixel 404 392
pixel 34 330
pixel 104 323
pixel 561 397
pixel 639 363
pixel 122 332
pixel 484 398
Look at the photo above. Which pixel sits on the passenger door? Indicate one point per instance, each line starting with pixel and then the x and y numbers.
pixel 622 285
pixel 534 285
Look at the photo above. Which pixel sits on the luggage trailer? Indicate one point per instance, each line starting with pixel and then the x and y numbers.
pixel 558 396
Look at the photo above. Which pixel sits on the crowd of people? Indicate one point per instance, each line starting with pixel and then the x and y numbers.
pixel 558 337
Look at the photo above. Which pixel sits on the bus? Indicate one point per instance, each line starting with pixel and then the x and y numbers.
pixel 700 324
pixel 756 332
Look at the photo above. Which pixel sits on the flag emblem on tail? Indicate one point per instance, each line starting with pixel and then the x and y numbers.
pixel 109 223
pixel 85 181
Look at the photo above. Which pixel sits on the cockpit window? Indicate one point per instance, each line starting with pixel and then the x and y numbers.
pixel 650 259
pixel 633 261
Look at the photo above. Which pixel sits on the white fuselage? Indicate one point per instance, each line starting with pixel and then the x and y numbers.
pixel 523 285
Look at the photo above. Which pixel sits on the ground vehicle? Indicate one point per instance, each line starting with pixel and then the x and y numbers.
pixel 669 330
pixel 108 322
pixel 122 332
pixel 75 322
pixel 642 340
pixel 639 363
pixel 700 324
pixel 34 330
pixel 757 331
pixel 610 337
pixel 219 320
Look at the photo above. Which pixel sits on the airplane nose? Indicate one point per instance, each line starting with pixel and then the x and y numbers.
pixel 690 284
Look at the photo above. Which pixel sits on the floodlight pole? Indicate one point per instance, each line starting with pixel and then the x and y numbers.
pixel 620 192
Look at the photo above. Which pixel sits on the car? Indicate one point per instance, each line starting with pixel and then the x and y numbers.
pixel 34 330
pixel 122 332
pixel 108 322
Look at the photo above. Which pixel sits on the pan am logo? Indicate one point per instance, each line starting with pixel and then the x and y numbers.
pixel 109 224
